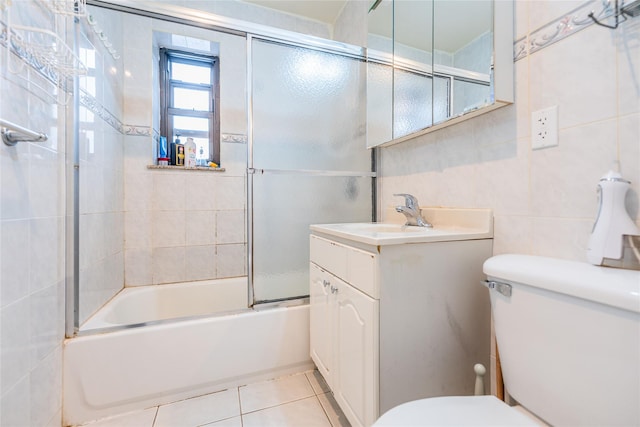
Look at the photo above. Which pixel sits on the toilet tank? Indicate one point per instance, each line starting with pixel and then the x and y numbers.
pixel 568 338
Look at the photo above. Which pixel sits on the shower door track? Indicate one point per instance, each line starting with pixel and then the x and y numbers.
pixel 210 21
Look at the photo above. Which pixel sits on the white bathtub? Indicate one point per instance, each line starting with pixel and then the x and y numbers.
pixel 143 304
pixel 110 373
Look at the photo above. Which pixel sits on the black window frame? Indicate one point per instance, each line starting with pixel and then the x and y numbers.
pixel 167 111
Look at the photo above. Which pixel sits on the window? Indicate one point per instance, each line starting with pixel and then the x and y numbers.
pixel 189 93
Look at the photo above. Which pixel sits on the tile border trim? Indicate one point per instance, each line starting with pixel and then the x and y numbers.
pixel 92 104
pixel 236 138
pixel 566 25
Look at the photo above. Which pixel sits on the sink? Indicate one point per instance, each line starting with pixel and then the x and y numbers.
pixel 448 224
pixel 382 227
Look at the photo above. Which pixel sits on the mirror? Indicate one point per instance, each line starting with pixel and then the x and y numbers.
pixel 412 65
pixel 433 63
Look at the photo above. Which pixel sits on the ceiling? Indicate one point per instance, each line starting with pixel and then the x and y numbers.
pixel 319 10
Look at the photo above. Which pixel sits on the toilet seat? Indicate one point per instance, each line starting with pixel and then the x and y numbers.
pixel 455 411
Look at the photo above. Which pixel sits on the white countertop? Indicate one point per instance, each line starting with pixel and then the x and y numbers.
pixel 377 234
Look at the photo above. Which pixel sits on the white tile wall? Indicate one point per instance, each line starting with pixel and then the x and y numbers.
pixel 544 201
pixel 14 271
pixel 32 262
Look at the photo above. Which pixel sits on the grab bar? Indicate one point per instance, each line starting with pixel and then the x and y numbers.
pixel 13 133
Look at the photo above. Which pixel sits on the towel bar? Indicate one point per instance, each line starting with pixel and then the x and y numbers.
pixel 13 133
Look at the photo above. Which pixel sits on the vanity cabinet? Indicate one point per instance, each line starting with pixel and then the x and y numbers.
pixel 398 322
pixel 344 328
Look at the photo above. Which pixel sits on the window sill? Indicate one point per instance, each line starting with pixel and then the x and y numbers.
pixel 182 168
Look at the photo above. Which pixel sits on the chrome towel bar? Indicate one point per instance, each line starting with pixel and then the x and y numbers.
pixel 13 133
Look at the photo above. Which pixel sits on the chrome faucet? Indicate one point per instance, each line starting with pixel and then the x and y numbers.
pixel 411 210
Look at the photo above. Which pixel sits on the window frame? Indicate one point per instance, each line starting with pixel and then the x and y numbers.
pixel 167 111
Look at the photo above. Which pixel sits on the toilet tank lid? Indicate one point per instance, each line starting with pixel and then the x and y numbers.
pixel 611 286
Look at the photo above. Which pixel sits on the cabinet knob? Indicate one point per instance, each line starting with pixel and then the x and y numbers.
pixel 326 283
pixel 334 290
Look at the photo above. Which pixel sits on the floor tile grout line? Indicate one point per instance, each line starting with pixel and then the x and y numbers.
pixel 326 414
pixel 304 373
pixel 217 421
pixel 309 381
pixel 280 404
pixel 239 399
pixel 322 391
pixel 155 416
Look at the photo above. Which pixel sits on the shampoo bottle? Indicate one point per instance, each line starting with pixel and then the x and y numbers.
pixel 190 153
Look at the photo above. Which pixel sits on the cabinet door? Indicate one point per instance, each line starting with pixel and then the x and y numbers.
pixel 356 370
pixel 321 320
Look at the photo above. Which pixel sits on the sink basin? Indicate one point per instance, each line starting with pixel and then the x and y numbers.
pixel 448 224
pixel 381 227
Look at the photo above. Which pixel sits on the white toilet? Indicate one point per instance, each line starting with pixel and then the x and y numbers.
pixel 569 340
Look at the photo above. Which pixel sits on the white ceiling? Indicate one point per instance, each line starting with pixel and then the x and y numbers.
pixel 320 10
pixel 461 20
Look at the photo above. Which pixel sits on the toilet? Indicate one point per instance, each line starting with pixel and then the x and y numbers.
pixel 569 340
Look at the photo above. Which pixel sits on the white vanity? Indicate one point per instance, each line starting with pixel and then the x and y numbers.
pixel 398 313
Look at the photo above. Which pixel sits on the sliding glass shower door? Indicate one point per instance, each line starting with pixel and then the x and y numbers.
pixel 307 158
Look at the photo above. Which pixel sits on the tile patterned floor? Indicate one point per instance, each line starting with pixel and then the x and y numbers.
pixel 300 400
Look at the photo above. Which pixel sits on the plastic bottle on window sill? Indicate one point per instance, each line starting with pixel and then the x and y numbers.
pixel 190 153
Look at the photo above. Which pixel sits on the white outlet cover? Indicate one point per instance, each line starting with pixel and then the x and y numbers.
pixel 544 128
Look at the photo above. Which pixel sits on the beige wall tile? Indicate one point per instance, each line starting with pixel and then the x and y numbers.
pixel 138 266
pixel 231 227
pixel 168 265
pixel 200 227
pixel 169 228
pixel 200 262
pixel 231 260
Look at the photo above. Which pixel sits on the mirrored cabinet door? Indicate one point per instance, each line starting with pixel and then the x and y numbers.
pixel 379 72
pixel 412 66
pixel 434 63
pixel 463 46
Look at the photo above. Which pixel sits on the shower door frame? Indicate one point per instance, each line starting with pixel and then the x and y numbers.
pixel 207 21
pixel 340 49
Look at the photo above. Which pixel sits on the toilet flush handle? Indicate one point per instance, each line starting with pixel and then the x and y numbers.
pixel 503 288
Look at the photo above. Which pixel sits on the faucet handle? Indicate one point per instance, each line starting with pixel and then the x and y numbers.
pixel 409 200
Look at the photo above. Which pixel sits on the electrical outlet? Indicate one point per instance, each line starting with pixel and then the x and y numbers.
pixel 544 128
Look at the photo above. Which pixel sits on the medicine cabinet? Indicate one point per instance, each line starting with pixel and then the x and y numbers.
pixel 434 63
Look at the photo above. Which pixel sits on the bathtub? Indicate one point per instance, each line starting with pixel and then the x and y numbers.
pixel 164 361
pixel 147 304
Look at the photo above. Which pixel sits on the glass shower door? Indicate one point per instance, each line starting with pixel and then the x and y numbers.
pixel 308 159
